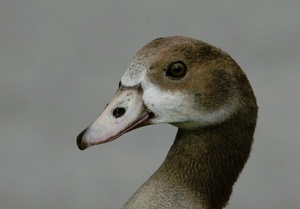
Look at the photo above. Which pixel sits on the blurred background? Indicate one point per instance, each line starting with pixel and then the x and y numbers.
pixel 61 61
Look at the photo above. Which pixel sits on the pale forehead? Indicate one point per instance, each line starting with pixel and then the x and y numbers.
pixel 135 73
pixel 137 69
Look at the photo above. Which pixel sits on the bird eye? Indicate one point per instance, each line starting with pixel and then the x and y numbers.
pixel 176 70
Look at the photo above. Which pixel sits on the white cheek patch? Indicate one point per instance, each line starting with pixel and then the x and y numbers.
pixel 179 108
pixel 168 107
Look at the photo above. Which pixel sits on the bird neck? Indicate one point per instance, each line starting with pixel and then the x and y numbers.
pixel 207 162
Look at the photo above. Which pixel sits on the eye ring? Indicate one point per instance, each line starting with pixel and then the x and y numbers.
pixel 176 70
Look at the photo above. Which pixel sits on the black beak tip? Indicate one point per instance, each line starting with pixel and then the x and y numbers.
pixel 81 145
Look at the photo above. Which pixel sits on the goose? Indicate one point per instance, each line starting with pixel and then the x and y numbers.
pixel 201 90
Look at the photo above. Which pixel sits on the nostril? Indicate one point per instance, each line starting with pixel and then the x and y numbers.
pixel 118 112
pixel 151 115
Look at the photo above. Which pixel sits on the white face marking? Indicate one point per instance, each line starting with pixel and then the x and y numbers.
pixel 178 108
pixel 167 106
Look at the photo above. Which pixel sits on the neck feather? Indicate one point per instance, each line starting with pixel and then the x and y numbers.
pixel 200 168
pixel 208 161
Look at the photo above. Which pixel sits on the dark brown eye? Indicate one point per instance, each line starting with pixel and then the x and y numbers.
pixel 176 70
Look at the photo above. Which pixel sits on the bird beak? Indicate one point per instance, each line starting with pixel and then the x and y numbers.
pixel 125 112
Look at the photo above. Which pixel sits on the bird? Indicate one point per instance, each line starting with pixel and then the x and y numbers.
pixel 202 91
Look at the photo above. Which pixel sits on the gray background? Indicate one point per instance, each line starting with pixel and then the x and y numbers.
pixel 61 61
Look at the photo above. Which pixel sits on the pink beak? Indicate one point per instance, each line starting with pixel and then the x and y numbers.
pixel 125 112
